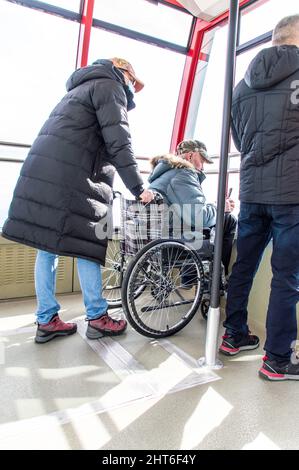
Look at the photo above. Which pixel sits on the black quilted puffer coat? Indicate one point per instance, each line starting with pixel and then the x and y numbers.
pixel 64 190
pixel 265 126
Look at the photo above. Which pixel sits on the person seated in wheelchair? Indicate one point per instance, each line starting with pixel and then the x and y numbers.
pixel 178 178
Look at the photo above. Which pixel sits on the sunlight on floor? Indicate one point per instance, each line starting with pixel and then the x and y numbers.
pixel 209 413
pixel 251 358
pixel 262 442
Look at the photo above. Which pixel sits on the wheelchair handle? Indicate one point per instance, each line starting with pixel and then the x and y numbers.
pixel 116 194
pixel 157 198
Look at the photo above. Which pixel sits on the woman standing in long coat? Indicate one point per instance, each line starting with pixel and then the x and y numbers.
pixel 62 197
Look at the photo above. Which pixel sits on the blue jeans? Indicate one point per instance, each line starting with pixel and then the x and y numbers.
pixel 257 224
pixel 45 283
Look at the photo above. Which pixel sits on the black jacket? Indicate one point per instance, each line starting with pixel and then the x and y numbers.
pixel 265 127
pixel 64 190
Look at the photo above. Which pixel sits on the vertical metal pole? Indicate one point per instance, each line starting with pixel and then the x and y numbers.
pixel 211 349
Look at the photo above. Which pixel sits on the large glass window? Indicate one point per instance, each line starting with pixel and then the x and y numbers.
pixel 263 16
pixel 151 122
pixel 155 20
pixel 72 5
pixel 205 112
pixel 38 53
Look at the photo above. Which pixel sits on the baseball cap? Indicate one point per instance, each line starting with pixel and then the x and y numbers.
pixel 125 65
pixel 193 146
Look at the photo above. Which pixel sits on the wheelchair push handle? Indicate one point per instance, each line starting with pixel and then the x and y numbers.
pixel 117 194
pixel 158 199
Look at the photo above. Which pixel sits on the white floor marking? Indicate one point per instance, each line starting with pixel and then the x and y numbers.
pixel 178 372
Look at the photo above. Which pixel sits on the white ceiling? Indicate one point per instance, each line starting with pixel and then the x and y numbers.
pixel 205 9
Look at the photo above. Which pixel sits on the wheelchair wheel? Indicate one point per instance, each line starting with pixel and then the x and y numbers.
pixel 113 274
pixel 165 304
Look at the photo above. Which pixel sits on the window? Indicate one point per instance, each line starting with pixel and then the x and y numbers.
pixel 205 113
pixel 157 20
pixel 72 5
pixel 38 53
pixel 151 122
pixel 210 188
pixel 263 16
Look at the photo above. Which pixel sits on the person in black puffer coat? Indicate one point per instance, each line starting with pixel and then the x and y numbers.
pixel 62 198
pixel 265 127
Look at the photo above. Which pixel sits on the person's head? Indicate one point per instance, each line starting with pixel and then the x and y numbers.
pixel 286 32
pixel 128 73
pixel 194 152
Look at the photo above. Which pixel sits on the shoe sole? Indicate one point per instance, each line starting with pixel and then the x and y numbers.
pixel 92 333
pixel 233 352
pixel 45 339
pixel 272 377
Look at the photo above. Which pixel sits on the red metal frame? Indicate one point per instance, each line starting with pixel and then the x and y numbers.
pixel 189 75
pixel 174 2
pixel 84 33
pixel 187 84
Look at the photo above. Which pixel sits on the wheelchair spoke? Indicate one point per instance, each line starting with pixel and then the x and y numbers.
pixel 162 308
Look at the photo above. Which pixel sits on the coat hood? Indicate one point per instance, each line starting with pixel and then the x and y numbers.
pixel 271 66
pixel 164 163
pixel 99 69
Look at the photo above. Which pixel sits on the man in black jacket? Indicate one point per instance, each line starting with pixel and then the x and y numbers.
pixel 62 198
pixel 265 128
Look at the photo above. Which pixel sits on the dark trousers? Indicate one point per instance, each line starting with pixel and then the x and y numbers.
pixel 229 232
pixel 257 224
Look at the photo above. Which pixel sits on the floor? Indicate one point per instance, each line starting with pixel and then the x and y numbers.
pixel 133 392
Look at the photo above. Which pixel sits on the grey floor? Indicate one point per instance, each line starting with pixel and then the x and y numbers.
pixel 133 393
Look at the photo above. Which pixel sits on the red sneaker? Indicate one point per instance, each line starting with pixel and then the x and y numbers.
pixel 232 345
pixel 277 371
pixel 55 327
pixel 105 326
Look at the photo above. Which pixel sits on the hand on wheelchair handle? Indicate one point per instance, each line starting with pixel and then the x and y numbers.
pixel 147 196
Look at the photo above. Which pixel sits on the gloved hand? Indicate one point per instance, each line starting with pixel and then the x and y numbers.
pixel 146 196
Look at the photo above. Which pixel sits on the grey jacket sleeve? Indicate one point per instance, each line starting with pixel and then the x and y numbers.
pixel 186 193
pixel 235 136
pixel 112 116
pixel 235 121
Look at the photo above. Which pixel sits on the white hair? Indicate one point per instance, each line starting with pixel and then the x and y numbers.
pixel 286 31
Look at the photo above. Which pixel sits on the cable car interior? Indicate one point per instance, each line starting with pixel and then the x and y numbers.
pixel 133 391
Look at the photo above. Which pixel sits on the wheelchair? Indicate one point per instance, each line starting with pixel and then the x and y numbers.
pixel 159 282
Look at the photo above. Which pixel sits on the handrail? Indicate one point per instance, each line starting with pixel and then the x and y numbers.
pixel 14 144
pixel 138 158
pixel 12 160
